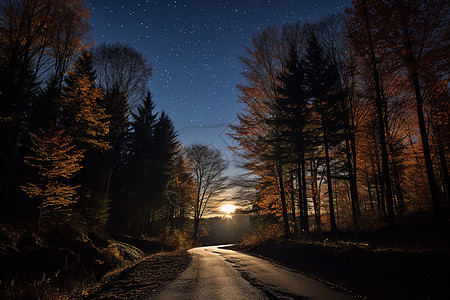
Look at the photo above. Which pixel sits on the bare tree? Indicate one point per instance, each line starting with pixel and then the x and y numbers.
pixel 122 67
pixel 206 165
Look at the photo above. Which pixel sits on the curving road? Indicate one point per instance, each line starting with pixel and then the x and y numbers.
pixel 217 273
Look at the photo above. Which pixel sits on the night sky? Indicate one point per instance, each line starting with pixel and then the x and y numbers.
pixel 193 47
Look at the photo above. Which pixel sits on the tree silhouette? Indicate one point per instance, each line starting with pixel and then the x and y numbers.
pixel 206 166
pixel 361 31
pixel 322 81
pixel 294 105
pixel 418 34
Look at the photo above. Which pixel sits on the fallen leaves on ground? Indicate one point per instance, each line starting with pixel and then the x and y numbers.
pixel 144 278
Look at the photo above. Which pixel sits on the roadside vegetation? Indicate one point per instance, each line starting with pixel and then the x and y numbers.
pixel 411 262
pixel 92 178
pixel 345 121
pixel 344 135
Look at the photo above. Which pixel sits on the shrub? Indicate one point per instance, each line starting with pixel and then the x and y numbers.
pixel 176 239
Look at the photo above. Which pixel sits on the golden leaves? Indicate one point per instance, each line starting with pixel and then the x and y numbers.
pixel 54 157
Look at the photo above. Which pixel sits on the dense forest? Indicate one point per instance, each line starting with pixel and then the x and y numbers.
pixel 81 143
pixel 346 120
pixel 345 128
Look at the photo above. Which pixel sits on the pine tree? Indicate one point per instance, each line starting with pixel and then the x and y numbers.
pixel 166 149
pixel 293 102
pixel 142 164
pixel 84 118
pixel 83 115
pixel 322 81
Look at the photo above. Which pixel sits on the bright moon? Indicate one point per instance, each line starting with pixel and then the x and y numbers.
pixel 228 208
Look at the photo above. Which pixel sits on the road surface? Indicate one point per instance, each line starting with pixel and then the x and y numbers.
pixel 217 273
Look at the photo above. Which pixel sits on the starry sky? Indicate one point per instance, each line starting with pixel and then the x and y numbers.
pixel 193 47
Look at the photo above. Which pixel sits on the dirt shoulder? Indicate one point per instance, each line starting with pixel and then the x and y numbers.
pixel 376 265
pixel 144 278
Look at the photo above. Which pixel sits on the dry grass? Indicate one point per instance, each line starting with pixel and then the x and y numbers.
pixel 273 231
pixel 73 280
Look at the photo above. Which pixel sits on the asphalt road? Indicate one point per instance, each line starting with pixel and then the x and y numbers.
pixel 217 273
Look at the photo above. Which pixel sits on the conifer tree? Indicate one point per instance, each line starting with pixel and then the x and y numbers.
pixel 83 116
pixel 142 163
pixel 166 147
pixel 117 108
pixel 85 119
pixel 322 81
pixel 293 102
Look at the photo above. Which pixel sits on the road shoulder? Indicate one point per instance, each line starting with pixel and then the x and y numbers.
pixel 144 278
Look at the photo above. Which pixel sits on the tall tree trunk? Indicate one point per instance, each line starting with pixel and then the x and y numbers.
pixel 353 189
pixel 171 216
pixel 300 194
pixel 377 191
pixel 382 133
pixel 181 222
pixel 279 167
pixel 398 188
pixel 305 200
pixel 354 169
pixel 294 218
pixel 196 223
pixel 414 76
pixel 369 188
pixel 330 186
pixel 444 169
pixel 425 144
pixel 315 197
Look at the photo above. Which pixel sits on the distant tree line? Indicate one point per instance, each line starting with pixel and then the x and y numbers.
pixel 80 141
pixel 346 121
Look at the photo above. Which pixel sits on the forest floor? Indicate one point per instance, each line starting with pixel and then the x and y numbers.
pixel 64 262
pixel 410 262
pixel 144 278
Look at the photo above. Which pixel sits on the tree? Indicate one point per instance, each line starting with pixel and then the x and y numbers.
pixel 123 74
pixel 82 113
pixel 206 166
pixel 294 105
pixel 440 124
pixel 54 160
pixel 123 68
pixel 417 33
pixel 361 31
pixel 142 164
pixel 322 80
pixel 332 36
pixel 166 152
pixel 117 108
pixel 181 192
pixel 30 34
pixel 259 132
pixel 167 148
pixel 84 118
